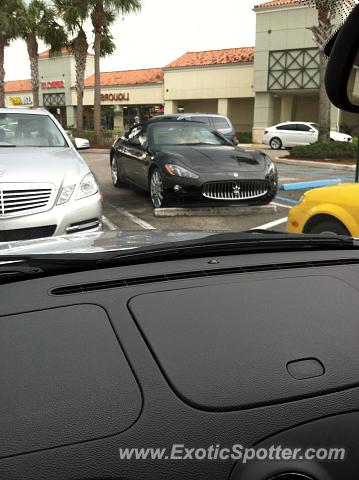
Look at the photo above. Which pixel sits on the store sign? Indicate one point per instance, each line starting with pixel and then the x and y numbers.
pixel 115 97
pixel 49 85
pixel 21 100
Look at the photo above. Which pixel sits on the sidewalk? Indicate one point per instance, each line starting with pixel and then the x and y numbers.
pixel 278 157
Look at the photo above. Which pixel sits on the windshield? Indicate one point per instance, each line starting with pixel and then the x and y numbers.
pixel 185 134
pixel 150 160
pixel 23 130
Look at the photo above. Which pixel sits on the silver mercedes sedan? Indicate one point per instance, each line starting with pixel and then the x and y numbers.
pixel 46 188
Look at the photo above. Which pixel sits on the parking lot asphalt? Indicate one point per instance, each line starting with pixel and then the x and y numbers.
pixel 131 209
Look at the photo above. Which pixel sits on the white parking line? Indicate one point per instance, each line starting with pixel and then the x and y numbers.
pixel 281 205
pixel 111 226
pixel 266 226
pixel 138 221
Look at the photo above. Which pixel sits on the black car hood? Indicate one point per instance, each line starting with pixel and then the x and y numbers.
pixel 216 159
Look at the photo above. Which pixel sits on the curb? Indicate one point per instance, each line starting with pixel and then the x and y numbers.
pixel 216 211
pixel 96 150
pixel 308 163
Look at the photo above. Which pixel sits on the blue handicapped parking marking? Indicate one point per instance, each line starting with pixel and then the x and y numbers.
pixel 286 200
pixel 310 184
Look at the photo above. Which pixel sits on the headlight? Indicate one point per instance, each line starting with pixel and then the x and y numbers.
pixel 177 171
pixel 65 194
pixel 272 170
pixel 88 186
pixel 301 199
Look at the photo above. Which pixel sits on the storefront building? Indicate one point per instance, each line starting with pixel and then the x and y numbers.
pixel 216 81
pixel 287 68
pixel 275 81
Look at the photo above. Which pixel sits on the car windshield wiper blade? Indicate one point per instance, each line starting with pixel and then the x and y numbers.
pixel 8 145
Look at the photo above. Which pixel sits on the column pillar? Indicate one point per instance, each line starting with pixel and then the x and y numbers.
pixel 263 115
pixel 286 110
pixel 223 107
pixel 171 106
pixel 71 116
pixel 335 118
pixel 118 118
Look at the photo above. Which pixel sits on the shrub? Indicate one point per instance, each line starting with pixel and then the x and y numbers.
pixel 325 150
pixel 244 137
pixel 108 136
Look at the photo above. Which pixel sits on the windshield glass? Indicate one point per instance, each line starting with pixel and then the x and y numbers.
pixel 24 130
pixel 227 129
pixel 185 134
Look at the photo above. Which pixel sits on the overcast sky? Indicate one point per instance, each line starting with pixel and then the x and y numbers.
pixel 161 32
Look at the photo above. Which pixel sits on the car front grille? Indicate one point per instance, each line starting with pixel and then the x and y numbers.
pixel 235 190
pixel 15 200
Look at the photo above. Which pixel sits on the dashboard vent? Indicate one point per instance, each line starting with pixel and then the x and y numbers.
pixel 129 282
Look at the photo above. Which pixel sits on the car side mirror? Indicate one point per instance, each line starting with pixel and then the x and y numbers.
pixel 342 75
pixel 81 143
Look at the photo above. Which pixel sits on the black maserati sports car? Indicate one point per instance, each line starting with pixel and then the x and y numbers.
pixel 177 161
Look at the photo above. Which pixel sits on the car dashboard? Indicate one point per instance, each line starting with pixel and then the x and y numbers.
pixel 254 350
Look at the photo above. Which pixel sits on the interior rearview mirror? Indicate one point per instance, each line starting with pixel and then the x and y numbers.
pixel 342 75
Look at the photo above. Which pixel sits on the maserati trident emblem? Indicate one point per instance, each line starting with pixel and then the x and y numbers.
pixel 236 190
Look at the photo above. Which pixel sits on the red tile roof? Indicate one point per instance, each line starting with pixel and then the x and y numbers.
pixel 128 77
pixel 62 52
pixel 18 86
pixel 279 3
pixel 214 57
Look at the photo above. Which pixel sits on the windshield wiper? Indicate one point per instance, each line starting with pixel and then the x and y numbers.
pixel 8 145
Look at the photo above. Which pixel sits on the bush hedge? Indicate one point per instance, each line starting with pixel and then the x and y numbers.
pixel 244 137
pixel 325 150
pixel 108 136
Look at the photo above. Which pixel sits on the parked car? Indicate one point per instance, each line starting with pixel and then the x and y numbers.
pixel 219 122
pixel 46 187
pixel 180 160
pixel 292 134
pixel 332 209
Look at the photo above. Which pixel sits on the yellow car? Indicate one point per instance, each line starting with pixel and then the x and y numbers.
pixel 332 209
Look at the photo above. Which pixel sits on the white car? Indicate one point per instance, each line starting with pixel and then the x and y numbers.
pixel 46 188
pixel 292 134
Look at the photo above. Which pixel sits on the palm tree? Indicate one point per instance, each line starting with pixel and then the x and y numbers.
pixel 9 30
pixel 103 14
pixel 74 13
pixel 38 21
pixel 327 10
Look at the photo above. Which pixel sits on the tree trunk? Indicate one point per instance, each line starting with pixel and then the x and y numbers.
pixel 97 98
pixel 33 52
pixel 324 105
pixel 80 53
pixel 2 71
pixel 322 34
pixel 98 21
